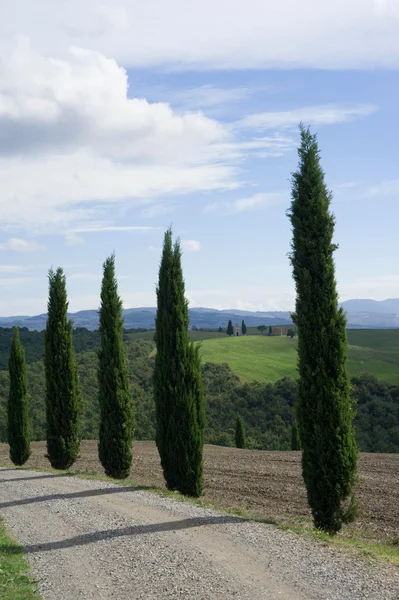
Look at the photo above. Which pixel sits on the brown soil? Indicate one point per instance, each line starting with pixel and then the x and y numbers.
pixel 264 484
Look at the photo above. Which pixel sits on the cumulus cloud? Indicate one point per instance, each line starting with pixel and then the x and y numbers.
pixel 76 145
pixel 71 140
pixel 21 245
pixel 190 245
pixel 289 34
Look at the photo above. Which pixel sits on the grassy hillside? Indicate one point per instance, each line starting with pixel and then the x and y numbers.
pixel 264 358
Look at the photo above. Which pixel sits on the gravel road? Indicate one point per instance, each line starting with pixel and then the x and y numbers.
pixel 91 539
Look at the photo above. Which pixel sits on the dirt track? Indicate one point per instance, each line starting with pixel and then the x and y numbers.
pixel 266 484
pixel 98 540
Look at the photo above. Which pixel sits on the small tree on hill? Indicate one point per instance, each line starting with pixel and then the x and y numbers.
pixel 17 405
pixel 323 405
pixel 116 407
pixel 230 329
pixel 239 434
pixel 178 394
pixel 243 328
pixel 261 328
pixel 270 330
pixel 220 330
pixel 62 388
pixel 295 441
pixel 291 333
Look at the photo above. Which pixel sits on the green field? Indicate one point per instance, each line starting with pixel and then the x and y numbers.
pixel 264 358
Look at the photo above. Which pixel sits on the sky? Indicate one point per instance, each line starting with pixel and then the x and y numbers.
pixel 120 119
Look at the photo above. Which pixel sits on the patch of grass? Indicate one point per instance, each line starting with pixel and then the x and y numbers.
pixel 15 584
pixel 267 359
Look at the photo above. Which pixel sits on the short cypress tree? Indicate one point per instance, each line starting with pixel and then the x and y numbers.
pixel 270 330
pixel 116 406
pixel 179 402
pixel 295 441
pixel 62 388
pixel 17 406
pixel 324 409
pixel 230 328
pixel 239 433
pixel 243 328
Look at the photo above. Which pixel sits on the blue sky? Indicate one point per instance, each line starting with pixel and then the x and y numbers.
pixel 118 120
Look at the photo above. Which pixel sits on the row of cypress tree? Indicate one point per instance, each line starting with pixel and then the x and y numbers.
pixel 324 412
pixel 63 404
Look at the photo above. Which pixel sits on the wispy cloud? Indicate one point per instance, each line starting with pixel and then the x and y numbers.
pixel 385 188
pixel 284 34
pixel 211 207
pixel 22 245
pixel 190 245
pixel 115 228
pixel 157 210
pixel 328 114
pixel 256 202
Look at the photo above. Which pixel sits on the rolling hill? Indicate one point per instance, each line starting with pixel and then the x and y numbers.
pixel 360 314
pixel 264 358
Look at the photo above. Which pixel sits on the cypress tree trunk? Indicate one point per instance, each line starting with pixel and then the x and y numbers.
pixel 324 409
pixel 116 406
pixel 17 406
pixel 295 441
pixel 239 433
pixel 62 388
pixel 177 381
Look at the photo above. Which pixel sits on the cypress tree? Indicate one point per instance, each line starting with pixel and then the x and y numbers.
pixel 116 406
pixel 295 441
pixel 324 409
pixel 17 406
pixel 243 328
pixel 230 328
pixel 239 433
pixel 179 402
pixel 270 330
pixel 62 388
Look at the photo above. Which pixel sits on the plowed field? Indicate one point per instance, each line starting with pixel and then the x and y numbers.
pixel 265 484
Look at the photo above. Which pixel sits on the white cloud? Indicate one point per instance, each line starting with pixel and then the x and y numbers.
pixel 335 35
pixel 72 142
pixel 157 210
pixel 119 228
pixel 73 239
pixel 385 188
pixel 21 245
pixel 211 207
pixel 379 287
pixel 312 115
pixel 255 202
pixel 74 147
pixel 190 245
pixel 11 268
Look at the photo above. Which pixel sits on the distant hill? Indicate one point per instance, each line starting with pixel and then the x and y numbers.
pixel 361 314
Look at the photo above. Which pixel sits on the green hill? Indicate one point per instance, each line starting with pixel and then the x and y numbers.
pixel 264 358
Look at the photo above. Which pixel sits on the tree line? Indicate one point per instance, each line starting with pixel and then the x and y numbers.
pixel 324 411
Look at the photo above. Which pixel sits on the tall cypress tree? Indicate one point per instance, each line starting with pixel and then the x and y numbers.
pixel 178 390
pixel 243 328
pixel 324 409
pixel 230 328
pixel 62 388
pixel 17 406
pixel 239 434
pixel 116 406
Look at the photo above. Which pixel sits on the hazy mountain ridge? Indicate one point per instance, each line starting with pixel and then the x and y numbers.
pixel 368 314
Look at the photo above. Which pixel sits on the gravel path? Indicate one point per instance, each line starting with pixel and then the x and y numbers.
pixel 91 539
